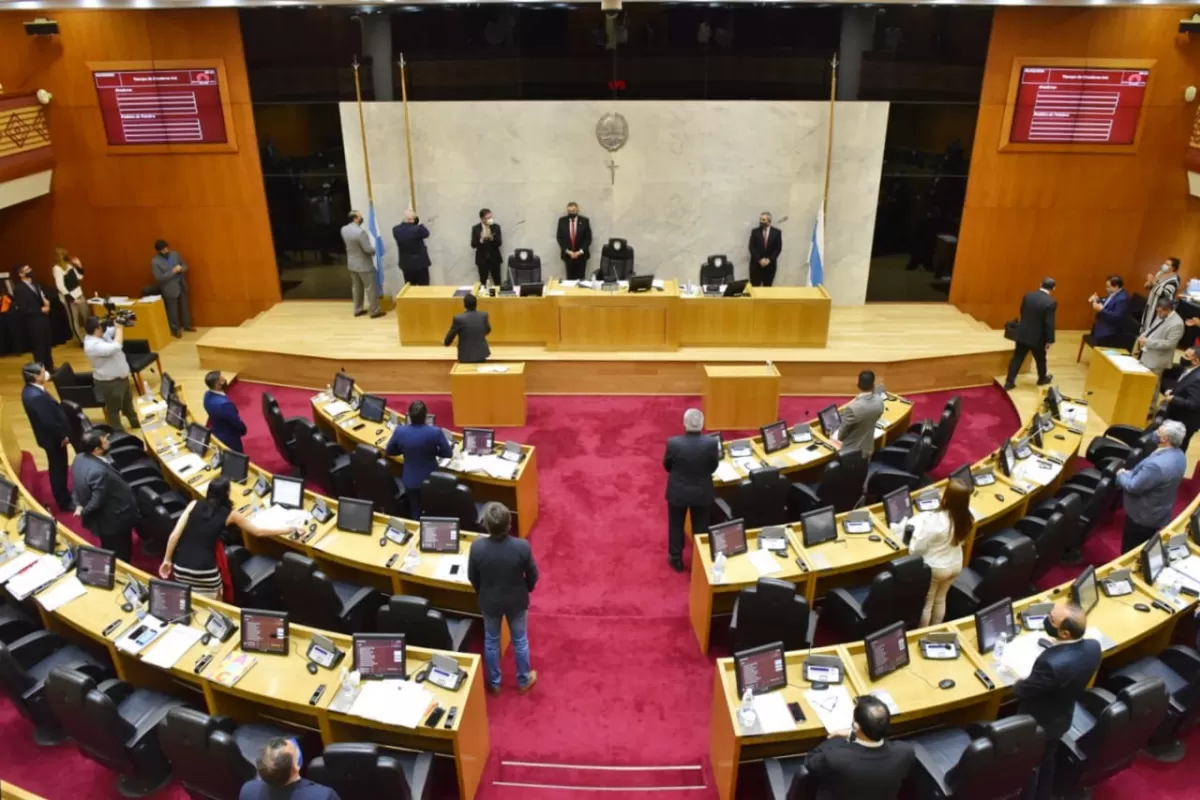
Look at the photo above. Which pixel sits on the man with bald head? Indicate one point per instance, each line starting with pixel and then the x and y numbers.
pixel 1059 676
pixel 690 461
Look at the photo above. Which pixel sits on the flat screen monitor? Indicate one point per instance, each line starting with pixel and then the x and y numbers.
pixel 8 498
pixel 1054 400
pixel 235 466
pixel 897 506
pixel 96 567
pixel 775 437
pixel 478 441
pixel 1153 558
pixel 40 532
pixel 965 475
pixel 354 515
pixel 287 492
pixel 1194 526
pixel 197 438
pixel 830 419
pixel 992 622
pixel 439 535
pixel 264 631
pixel 736 288
pixel 532 289
pixel 170 601
pixel 343 387
pixel 887 650
pixel 166 389
pixel 1007 459
pixel 760 669
pixel 176 415
pixel 372 407
pixel 379 655
pixel 1084 591
pixel 721 444
pixel 819 526
pixel 728 538
pixel 641 283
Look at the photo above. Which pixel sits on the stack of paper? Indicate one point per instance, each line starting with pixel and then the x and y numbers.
pixel 772 712
pixel 188 462
pixel 335 407
pixel 172 646
pixel 66 591
pixel 747 463
pixel 726 473
pixel 1189 568
pixel 492 465
pixel 398 703
pixel 833 706
pixel 494 368
pixel 764 561
pixel 279 517
pixel 156 407
pixel 1020 653
pixel 1127 363
pixel 15 565
pixel 41 572
pixel 802 455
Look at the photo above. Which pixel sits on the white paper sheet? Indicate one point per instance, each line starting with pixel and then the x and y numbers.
pixel 168 648
pixel 446 564
pixel 279 517
pixel 335 407
pixel 570 284
pixel 1020 653
pixel 1127 363
pixel 492 465
pixel 45 569
pixel 802 455
pixel 497 368
pixel 188 461
pixel 833 707
pixel 1073 414
pixel 747 463
pixel 726 473
pixel 11 567
pixel 156 407
pixel 888 700
pixel 773 714
pixel 817 560
pixel 555 293
pixel 764 561
pixel 1189 568
pixel 64 592
pixel 393 703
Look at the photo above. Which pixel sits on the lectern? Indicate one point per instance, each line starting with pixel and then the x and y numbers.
pixel 740 397
pixel 488 395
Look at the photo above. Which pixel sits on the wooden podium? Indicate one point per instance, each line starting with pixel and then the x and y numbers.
pixel 488 395
pixel 151 322
pixel 741 397
pixel 1119 389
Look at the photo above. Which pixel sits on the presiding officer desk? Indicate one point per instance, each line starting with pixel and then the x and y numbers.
pixel 278 688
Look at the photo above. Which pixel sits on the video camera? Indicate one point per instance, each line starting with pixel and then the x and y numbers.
pixel 124 317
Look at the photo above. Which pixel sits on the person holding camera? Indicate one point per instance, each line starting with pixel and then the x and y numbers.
pixel 104 348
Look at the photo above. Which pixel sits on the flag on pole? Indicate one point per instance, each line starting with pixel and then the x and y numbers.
pixel 816 250
pixel 377 240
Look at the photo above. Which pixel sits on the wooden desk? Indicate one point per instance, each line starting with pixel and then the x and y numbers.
pixel 10 792
pixel 1119 394
pixel 151 322
pixel 740 397
pixel 592 319
pixel 772 316
pixel 424 313
pixel 485 398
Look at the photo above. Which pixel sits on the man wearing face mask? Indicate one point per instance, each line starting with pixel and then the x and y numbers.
pixel 410 236
pixel 103 500
pixel 1183 400
pixel 1149 489
pixel 1059 677
pixel 223 417
pixel 766 243
pixel 1160 285
pixel 50 429
pixel 486 242
pixel 32 306
pixel 574 237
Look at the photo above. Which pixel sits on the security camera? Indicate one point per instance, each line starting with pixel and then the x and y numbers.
pixel 611 8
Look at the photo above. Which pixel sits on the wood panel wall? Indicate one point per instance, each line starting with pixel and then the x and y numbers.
pixel 1078 217
pixel 110 209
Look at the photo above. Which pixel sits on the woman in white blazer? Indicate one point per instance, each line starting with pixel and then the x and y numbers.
pixel 938 537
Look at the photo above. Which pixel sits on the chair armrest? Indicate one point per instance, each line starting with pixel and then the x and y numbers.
pixel 116 689
pixel 32 648
pixel 1096 699
pixel 236 555
pixel 807 493
pixel 225 724
pixel 847 599
pixel 1182 660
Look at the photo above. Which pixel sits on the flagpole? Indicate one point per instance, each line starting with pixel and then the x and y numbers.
pixel 362 129
pixel 385 302
pixel 412 182
pixel 829 136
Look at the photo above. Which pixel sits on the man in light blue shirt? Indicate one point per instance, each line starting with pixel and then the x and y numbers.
pixel 1151 486
pixel 104 348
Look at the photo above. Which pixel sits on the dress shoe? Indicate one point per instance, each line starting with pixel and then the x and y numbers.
pixel 676 564
pixel 377 315
pixel 529 684
pixel 177 334
pixel 190 330
pixel 1044 381
pixel 494 689
pixel 1008 387
pixel 360 313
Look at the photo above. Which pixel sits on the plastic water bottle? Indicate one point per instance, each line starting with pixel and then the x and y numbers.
pixel 998 648
pixel 746 714
pixel 719 568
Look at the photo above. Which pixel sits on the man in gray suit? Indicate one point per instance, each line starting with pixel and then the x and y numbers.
pixel 690 462
pixel 1158 342
pixel 471 329
pixel 170 273
pixel 857 431
pixel 1150 487
pixel 103 500
pixel 360 259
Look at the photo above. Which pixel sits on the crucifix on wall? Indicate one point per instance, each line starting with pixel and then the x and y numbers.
pixel 612 170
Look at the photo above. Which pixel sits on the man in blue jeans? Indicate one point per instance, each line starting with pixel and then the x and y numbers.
pixel 503 572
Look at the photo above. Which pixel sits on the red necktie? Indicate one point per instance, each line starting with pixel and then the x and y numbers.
pixel 572 234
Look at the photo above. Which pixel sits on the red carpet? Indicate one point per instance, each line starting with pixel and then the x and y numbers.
pixel 621 681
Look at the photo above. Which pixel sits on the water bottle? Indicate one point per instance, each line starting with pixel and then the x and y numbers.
pixel 149 396
pixel 746 714
pixel 719 568
pixel 998 648
pixel 1170 591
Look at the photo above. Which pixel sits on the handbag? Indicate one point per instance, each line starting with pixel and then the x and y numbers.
pixel 1010 329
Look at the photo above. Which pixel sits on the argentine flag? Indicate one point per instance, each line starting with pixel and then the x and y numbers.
pixel 377 239
pixel 816 250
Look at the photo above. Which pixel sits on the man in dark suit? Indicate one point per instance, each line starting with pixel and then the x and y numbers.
pixel 471 329
pixel 50 430
pixel 860 764
pixel 1035 333
pixel 1110 312
pixel 411 254
pixel 223 416
pixel 103 500
pixel 278 767
pixel 1183 401
pixel 1059 676
pixel 766 243
pixel 574 237
pixel 503 572
pixel 690 462
pixel 486 242
pixel 31 304
pixel 421 446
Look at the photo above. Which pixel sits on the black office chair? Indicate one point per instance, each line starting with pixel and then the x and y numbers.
pixel 365 770
pixel 761 499
pixel 896 594
pixel 771 611
pixel 616 261
pixel 159 512
pixel 140 358
pixel 1001 566
pixel 986 761
pixel 312 598
pixel 1095 504
pixel 841 485
pixel 524 267
pixel 1053 526
pixel 422 625
pixel 322 462
pixel 373 480
pixel 123 448
pixel 114 725
pixel 24 666
pixel 16 622
pixel 1106 733
pixel 444 495
pixel 902 467
pixel 253 578
pixel 789 779
pixel 77 387
pixel 283 431
pixel 716 271
pixel 212 757
pixel 1179 668
pixel 1120 442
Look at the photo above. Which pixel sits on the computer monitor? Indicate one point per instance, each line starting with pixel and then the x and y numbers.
pixel 897 506
pixel 1022 447
pixel 478 441
pixel 8 498
pixel 379 655
pixel 235 466
pixel 354 515
pixel 819 526
pixel 775 437
pixel 177 415
pixel 887 650
pixel 40 532
pixel 343 387
pixel 965 475
pixel 439 535
pixel 1007 459
pixel 1153 558
pixel 1194 526
pixel 264 631
pixel 1054 400
pixel 96 567
pixel 1084 591
pixel 728 538
pixel 721 445
pixel 830 419
pixel 992 622
pixel 166 389
pixel 760 669
pixel 287 492
pixel 170 601
pixel 736 288
pixel 641 283
pixel 531 289
pixel 197 438
pixel 372 407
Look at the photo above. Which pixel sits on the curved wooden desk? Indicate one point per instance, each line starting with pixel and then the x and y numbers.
pixel 278 688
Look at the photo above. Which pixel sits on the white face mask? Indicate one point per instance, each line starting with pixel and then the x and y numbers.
pixel 1165 267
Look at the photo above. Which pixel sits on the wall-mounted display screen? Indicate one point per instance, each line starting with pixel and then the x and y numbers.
pixel 1078 105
